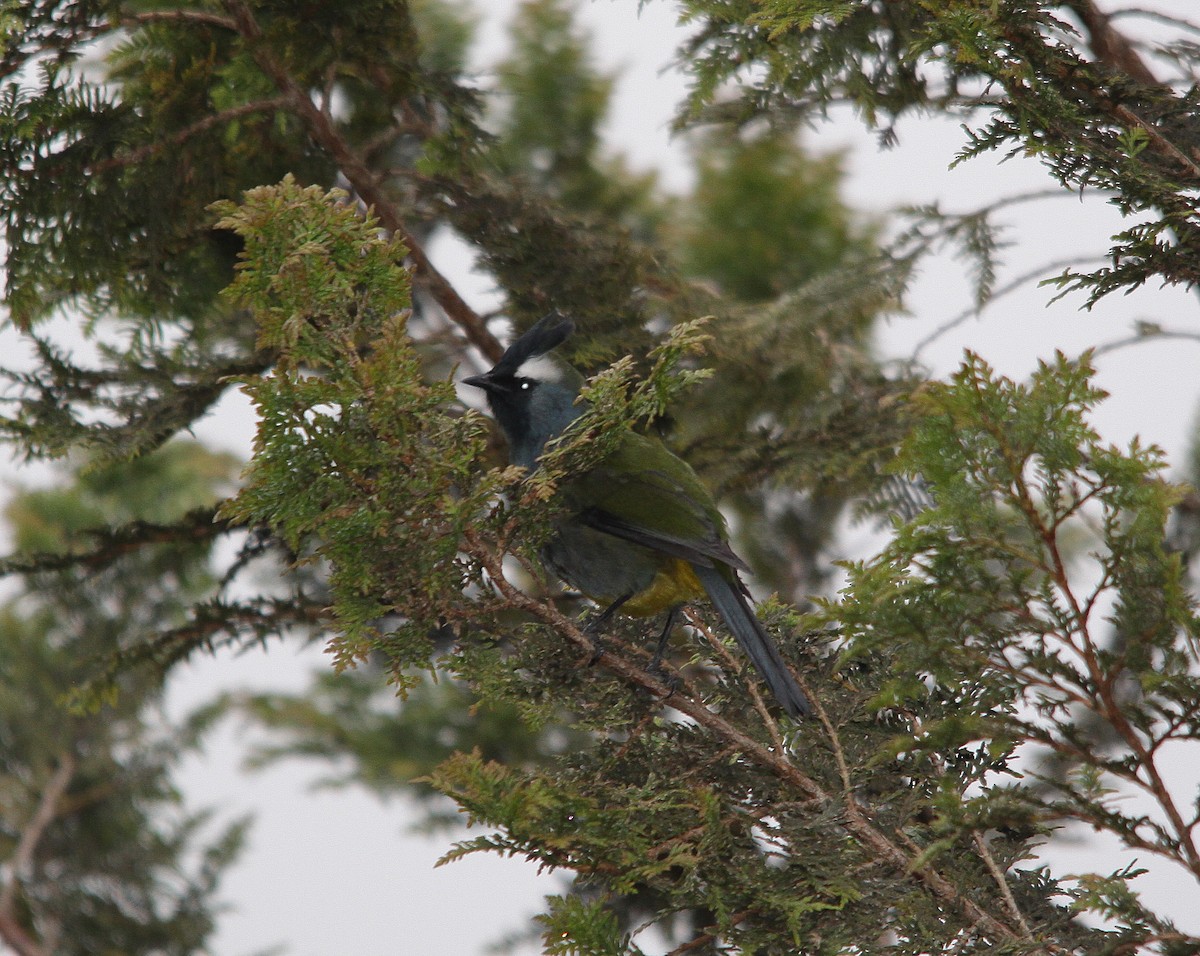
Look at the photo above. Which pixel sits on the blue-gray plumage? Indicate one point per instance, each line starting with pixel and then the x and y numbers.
pixel 638 531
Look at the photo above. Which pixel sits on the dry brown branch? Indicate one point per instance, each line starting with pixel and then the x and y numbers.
pixel 1109 45
pixel 993 868
pixel 11 930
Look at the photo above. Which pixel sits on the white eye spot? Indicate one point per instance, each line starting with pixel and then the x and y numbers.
pixel 524 386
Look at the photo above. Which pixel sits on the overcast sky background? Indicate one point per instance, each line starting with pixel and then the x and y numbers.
pixel 338 872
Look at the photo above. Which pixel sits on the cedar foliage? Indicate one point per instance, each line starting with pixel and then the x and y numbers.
pixel 1021 654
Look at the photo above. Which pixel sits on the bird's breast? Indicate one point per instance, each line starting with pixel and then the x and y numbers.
pixel 607 568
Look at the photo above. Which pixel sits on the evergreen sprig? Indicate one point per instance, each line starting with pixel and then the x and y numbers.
pixel 983 607
pixel 1018 71
pixel 358 461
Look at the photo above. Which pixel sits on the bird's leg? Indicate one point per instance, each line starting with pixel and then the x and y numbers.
pixel 656 660
pixel 598 623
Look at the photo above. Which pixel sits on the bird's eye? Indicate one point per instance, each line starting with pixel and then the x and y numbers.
pixel 526 385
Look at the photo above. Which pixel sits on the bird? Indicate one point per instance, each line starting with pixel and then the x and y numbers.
pixel 637 533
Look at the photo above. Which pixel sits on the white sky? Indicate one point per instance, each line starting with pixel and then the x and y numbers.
pixel 334 873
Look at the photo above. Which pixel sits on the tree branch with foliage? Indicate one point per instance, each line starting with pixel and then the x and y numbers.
pixel 1020 655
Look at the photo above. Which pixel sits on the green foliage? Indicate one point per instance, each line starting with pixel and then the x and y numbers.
pixel 133 538
pixel 1032 607
pixel 1098 119
pixel 630 818
pixel 352 714
pixel 156 488
pixel 575 927
pixel 1001 641
pixel 353 446
pixel 765 217
pixel 553 107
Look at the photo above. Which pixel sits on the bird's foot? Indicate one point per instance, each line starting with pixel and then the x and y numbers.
pixel 594 631
pixel 597 649
pixel 595 627
pixel 657 668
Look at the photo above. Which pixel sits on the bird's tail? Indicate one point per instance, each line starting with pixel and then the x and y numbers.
pixel 735 609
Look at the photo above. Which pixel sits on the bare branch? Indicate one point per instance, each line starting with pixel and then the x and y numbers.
pixel 1146 333
pixel 11 930
pixel 731 665
pixel 200 524
pixel 1155 16
pixel 993 868
pixel 178 16
pixel 975 311
pixel 1110 45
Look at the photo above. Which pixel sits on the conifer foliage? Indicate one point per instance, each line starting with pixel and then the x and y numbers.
pixel 242 194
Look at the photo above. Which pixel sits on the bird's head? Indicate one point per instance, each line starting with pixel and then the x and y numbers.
pixel 531 391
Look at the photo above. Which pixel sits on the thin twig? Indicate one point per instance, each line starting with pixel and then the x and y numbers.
pixel 975 311
pixel 1106 706
pixel 11 930
pixel 731 665
pixel 1147 334
pixel 993 867
pixel 198 525
pixel 1155 16
pixel 705 938
pixel 178 16
pixel 182 136
pixel 1163 145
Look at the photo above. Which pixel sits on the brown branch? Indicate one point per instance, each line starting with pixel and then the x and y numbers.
pixel 365 182
pixel 1106 705
pixel 1138 946
pixel 1154 784
pixel 1143 336
pixel 985 853
pixel 17 937
pixel 178 16
pixel 731 665
pixel 183 135
pixel 705 938
pixel 1161 144
pixel 233 619
pixel 1110 46
pixel 11 930
pixel 779 764
pixel 199 524
pixel 1114 50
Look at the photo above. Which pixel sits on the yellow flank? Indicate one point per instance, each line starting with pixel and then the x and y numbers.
pixel 675 583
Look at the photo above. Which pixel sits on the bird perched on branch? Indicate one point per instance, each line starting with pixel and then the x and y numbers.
pixel 638 532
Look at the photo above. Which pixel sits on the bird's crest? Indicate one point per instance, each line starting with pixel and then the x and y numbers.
pixel 520 358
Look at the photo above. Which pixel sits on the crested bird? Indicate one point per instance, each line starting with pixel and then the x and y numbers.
pixel 638 532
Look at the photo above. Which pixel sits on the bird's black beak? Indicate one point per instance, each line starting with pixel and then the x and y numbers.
pixel 481 381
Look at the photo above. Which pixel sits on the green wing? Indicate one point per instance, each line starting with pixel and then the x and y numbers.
pixel 645 494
